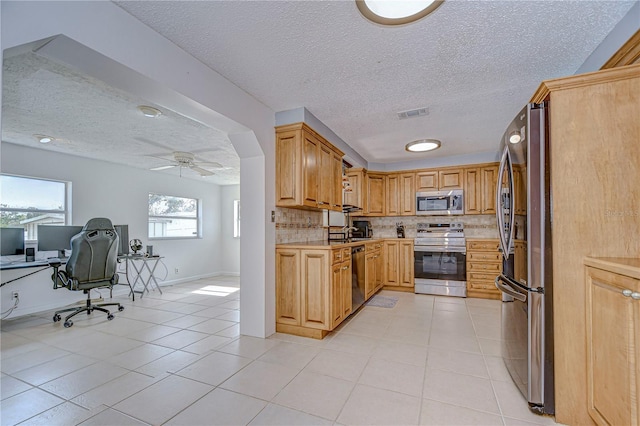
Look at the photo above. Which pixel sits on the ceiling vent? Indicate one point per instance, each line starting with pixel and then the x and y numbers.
pixel 419 112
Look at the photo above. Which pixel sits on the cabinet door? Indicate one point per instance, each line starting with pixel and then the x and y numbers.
pixel 407 194
pixel 613 338
pixel 375 194
pixel 427 181
pixel 379 261
pixel 472 191
pixel 337 312
pixel 336 185
pixel 393 195
pixel 489 179
pixel 520 189
pixel 310 150
pixel 288 286
pixel 315 289
pixel 405 260
pixel 520 262
pixel 391 263
pixel 353 196
pixel 345 282
pixel 325 177
pixel 369 275
pixel 450 179
pixel 288 169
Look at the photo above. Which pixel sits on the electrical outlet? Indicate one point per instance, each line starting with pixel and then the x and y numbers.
pixel 15 295
pixel 175 270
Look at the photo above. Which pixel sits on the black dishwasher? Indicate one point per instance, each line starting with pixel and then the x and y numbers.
pixel 357 277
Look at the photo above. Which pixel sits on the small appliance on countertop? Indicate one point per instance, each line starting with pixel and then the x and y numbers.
pixel 363 229
pixel 400 230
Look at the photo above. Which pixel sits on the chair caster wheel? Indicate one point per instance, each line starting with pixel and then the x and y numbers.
pixel 121 308
pixel 110 317
pixel 68 323
pixel 56 318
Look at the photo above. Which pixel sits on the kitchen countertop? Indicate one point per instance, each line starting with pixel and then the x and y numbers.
pixel 629 266
pixel 324 244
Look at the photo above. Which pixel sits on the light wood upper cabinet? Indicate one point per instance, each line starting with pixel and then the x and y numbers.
pixel 393 195
pixel 307 175
pixel 450 179
pixel 480 189
pixel 354 197
pixel 375 195
pixel 613 340
pixel 427 181
pixel 407 194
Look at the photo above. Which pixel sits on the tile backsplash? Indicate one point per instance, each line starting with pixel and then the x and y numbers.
pixel 295 225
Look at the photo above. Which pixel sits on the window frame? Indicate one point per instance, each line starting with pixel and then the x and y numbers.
pixel 236 218
pixel 197 218
pixel 66 211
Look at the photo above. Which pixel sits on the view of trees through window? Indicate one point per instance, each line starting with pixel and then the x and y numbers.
pixel 173 217
pixel 29 202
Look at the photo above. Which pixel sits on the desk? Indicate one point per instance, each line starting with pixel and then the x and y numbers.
pixel 23 264
pixel 140 264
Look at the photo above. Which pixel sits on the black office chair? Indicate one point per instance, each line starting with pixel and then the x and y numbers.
pixel 92 264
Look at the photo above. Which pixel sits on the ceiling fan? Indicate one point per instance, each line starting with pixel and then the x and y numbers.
pixel 187 160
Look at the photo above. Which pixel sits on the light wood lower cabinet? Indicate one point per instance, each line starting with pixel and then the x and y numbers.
pixel 313 290
pixel 373 269
pixel 613 341
pixel 484 264
pixel 398 265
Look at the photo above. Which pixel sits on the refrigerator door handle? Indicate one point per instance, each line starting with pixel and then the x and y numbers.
pixel 499 204
pixel 503 284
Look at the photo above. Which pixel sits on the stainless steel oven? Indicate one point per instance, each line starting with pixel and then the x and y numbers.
pixel 440 259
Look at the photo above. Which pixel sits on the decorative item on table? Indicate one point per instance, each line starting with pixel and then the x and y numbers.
pixel 136 246
pixel 400 229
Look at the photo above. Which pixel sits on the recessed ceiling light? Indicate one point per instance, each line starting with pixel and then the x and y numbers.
pixel 423 145
pixel 396 12
pixel 149 111
pixel 44 138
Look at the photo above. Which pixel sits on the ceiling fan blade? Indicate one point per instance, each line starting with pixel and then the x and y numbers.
pixel 203 172
pixel 211 164
pixel 163 167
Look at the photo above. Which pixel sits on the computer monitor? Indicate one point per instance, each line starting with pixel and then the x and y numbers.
pixel 56 237
pixel 11 241
pixel 123 235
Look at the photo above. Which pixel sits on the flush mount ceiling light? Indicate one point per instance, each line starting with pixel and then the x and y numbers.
pixel 423 145
pixel 515 137
pixel 396 12
pixel 149 111
pixel 44 138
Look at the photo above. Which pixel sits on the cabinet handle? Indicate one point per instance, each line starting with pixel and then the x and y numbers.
pixel 635 296
pixel 627 293
pixel 344 268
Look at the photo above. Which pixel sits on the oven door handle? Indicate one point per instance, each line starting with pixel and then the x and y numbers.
pixel 504 284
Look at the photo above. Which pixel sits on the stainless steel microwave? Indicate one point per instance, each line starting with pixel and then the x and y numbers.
pixel 440 202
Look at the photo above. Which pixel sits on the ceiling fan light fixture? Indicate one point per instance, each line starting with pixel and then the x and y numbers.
pixel 149 111
pixel 423 145
pixel 44 138
pixel 396 12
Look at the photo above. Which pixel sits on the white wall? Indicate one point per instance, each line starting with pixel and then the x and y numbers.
pixel 120 193
pixel 230 260
pixel 108 30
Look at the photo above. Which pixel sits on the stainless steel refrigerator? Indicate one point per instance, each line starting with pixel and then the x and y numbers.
pixel 524 216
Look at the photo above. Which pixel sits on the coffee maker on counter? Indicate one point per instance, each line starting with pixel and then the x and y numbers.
pixel 363 229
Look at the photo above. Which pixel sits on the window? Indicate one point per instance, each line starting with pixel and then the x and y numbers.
pixel 173 217
pixel 29 202
pixel 236 218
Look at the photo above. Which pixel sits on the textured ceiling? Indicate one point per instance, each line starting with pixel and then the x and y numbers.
pixel 94 120
pixel 474 64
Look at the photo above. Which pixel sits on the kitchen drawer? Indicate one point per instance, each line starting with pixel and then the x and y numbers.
pixel 475 276
pixel 484 256
pixel 483 245
pixel 337 256
pixel 484 266
pixel 372 247
pixel 482 285
pixel 346 254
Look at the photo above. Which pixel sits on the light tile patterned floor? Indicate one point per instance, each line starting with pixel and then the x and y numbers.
pixel 177 359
